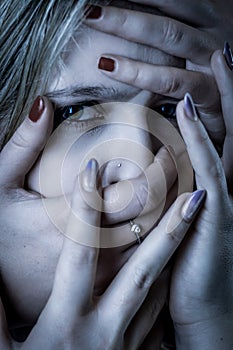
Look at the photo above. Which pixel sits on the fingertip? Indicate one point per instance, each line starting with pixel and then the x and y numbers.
pixel 223 73
pixel 180 111
pixel 41 115
pixel 184 211
pixel 180 106
pixel 221 67
pixel 166 155
pixel 193 205
pixel 49 106
pixel 89 176
pixel 107 64
pixel 218 63
pixel 216 57
pixel 174 214
pixel 27 141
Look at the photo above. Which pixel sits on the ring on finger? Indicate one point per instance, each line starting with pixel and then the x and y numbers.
pixel 136 229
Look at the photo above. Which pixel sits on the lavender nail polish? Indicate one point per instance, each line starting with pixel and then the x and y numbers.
pixel 193 205
pixel 91 169
pixel 228 55
pixel 91 164
pixel 189 107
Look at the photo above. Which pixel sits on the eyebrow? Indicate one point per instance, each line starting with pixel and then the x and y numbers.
pixel 99 92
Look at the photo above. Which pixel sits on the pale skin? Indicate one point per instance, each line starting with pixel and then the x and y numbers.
pixel 217 330
pixel 33 281
pixel 228 138
pixel 192 32
pixel 181 41
pixel 75 310
pixel 211 244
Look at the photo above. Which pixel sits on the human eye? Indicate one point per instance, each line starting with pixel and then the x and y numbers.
pixel 77 111
pixel 167 110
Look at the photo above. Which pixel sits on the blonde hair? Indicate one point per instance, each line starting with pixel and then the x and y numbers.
pixel 33 36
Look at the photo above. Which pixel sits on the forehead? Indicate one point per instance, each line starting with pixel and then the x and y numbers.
pixel 81 55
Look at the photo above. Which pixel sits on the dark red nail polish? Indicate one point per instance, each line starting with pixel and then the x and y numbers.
pixel 107 64
pixel 37 109
pixel 94 13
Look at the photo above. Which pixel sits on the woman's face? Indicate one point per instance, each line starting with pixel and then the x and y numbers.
pixel 113 133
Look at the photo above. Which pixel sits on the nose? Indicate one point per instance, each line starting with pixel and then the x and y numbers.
pixel 130 150
pixel 117 170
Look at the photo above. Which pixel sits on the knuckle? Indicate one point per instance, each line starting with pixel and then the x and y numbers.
pixel 175 234
pixel 19 140
pixel 134 75
pixel 171 34
pixel 86 257
pixel 142 277
pixel 141 196
pixel 157 195
pixel 202 138
pixel 216 171
pixel 78 258
pixel 168 85
pixel 121 21
pixel 89 256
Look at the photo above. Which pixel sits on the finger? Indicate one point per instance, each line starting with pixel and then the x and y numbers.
pixel 195 12
pixel 224 78
pixel 204 158
pixel 169 35
pixel 168 81
pixel 159 176
pixel 5 340
pixel 146 198
pixel 76 270
pixel 130 287
pixel 20 153
pixel 147 315
pixel 172 82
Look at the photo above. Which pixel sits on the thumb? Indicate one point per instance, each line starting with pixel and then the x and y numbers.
pixel 22 150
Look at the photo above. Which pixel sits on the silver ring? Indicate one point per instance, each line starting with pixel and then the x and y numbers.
pixel 136 229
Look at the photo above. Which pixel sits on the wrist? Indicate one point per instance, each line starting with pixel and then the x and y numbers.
pixel 213 334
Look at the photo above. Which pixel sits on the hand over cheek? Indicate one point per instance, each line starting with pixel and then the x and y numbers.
pixel 186 35
pixel 202 280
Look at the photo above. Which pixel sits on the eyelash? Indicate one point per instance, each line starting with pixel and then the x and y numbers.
pixel 167 110
pixel 63 113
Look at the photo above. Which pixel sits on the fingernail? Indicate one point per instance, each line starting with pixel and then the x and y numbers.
pixel 37 109
pixel 91 172
pixel 193 205
pixel 94 13
pixel 189 107
pixel 228 55
pixel 107 64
